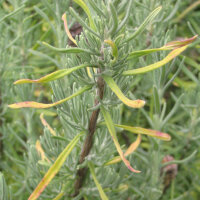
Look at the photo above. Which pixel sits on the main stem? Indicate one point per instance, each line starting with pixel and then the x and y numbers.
pixel 81 173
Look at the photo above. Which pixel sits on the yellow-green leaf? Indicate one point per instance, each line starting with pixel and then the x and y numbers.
pixel 114 49
pixel 168 46
pixel 111 129
pixel 32 104
pixel 130 150
pixel 100 189
pixel 149 132
pixel 82 4
pixel 156 65
pixel 54 168
pixel 53 76
pixel 113 86
pixel 64 18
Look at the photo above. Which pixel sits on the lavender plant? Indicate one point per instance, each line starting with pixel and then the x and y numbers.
pixel 101 67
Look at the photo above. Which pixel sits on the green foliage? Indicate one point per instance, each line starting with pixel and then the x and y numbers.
pixel 119 39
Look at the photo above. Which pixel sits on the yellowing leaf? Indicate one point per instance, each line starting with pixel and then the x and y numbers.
pixel 168 46
pixel 53 76
pixel 149 132
pixel 54 168
pixel 156 65
pixel 64 18
pixel 111 129
pixel 44 122
pixel 130 150
pixel 41 151
pixel 82 4
pixel 114 49
pixel 113 86
pixel 100 189
pixel 32 104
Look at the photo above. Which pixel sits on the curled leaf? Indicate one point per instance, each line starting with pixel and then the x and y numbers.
pixel 53 76
pixel 130 150
pixel 64 18
pixel 114 49
pixel 156 65
pixel 111 129
pixel 149 132
pixel 32 104
pixel 54 168
pixel 113 86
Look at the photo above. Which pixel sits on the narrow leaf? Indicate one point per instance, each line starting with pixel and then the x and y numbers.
pixel 53 76
pixel 156 65
pixel 82 4
pixel 68 50
pixel 132 103
pixel 149 132
pixel 64 18
pixel 45 124
pixel 146 22
pixel 32 104
pixel 168 46
pixel 130 150
pixel 41 151
pixel 111 129
pixel 114 19
pixel 100 189
pixel 54 168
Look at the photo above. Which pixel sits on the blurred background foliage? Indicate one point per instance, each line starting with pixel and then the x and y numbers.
pixel 172 94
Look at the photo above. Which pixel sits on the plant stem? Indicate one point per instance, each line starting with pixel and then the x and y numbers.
pixel 81 173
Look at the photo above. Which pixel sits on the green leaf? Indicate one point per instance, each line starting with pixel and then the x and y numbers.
pixel 156 65
pixel 149 132
pixel 68 50
pixel 114 19
pixel 100 189
pixel 32 104
pixel 53 76
pixel 111 129
pixel 113 86
pixel 54 168
pixel 146 22
pixel 82 4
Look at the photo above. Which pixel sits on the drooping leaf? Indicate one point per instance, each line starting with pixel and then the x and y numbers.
pixel 111 129
pixel 64 18
pixel 54 168
pixel 53 76
pixel 149 132
pixel 130 150
pixel 32 104
pixel 113 86
pixel 100 189
pixel 156 65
